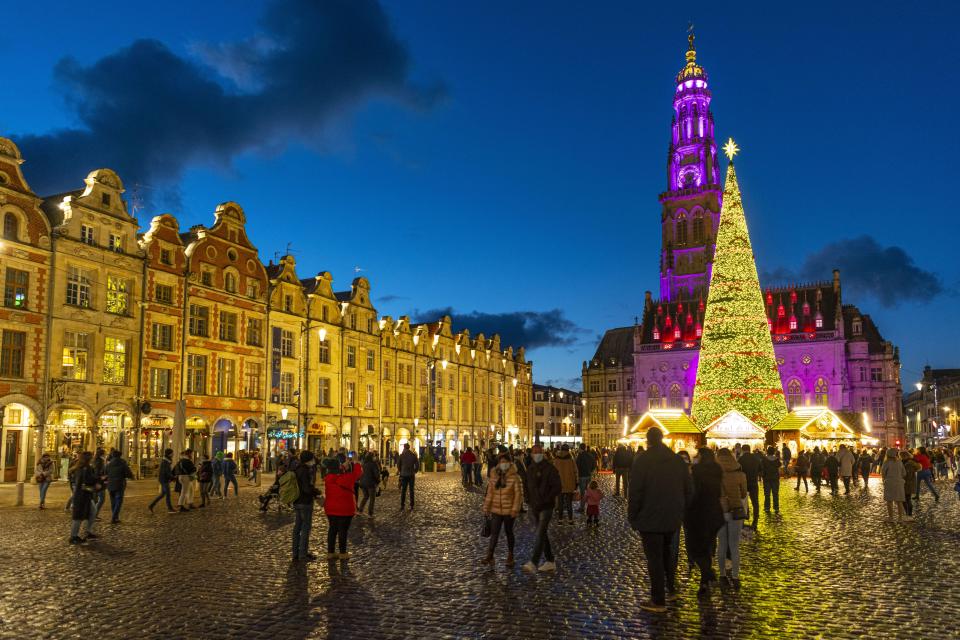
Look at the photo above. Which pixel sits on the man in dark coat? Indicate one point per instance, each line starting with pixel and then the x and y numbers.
pixel 817 460
pixel 117 471
pixel 306 477
pixel 586 466
pixel 750 465
pixel 660 488
pixel 770 470
pixel 542 488
pixel 622 460
pixel 704 516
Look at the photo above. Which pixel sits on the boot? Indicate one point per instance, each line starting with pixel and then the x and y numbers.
pixel 510 559
pixel 488 559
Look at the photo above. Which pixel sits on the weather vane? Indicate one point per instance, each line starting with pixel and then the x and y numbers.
pixel 731 149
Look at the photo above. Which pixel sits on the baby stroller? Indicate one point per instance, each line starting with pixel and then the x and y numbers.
pixel 273 493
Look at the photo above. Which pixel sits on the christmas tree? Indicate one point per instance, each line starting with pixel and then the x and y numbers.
pixel 737 368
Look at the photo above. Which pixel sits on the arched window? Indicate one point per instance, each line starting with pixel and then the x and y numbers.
pixel 676 397
pixel 698 227
pixel 230 282
pixel 821 393
pixel 653 397
pixel 794 394
pixel 681 230
pixel 11 226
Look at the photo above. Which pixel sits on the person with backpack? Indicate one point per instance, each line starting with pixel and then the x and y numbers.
pixel 297 489
pixel 164 477
pixel 205 476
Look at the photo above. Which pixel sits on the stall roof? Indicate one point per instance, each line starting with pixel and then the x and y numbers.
pixel 675 421
pixel 820 419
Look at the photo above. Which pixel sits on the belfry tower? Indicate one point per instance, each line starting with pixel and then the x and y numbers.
pixel 691 204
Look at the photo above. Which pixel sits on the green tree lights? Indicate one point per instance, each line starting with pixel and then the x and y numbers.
pixel 737 368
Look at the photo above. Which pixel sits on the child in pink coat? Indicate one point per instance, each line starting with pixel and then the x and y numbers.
pixel 593 497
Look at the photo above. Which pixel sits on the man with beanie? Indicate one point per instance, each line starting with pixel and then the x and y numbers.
pixel 303 506
pixel 542 487
pixel 660 488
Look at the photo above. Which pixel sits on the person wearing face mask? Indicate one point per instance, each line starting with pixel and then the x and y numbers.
pixel 303 506
pixel 502 504
pixel 543 487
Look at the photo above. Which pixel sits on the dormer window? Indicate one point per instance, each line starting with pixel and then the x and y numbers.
pixel 288 303
pixel 230 282
pixel 857 326
pixel 11 226
pixel 166 257
pixel 253 290
pixel 105 199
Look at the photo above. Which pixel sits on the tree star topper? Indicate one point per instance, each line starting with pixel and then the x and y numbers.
pixel 731 148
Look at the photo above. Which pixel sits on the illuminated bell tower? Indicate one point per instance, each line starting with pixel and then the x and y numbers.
pixel 691 203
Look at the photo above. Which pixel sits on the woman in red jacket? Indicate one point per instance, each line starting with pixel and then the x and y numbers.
pixel 340 504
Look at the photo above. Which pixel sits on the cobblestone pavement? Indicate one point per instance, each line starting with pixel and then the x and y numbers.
pixel 830 568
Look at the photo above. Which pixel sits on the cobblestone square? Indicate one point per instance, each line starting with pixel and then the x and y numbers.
pixel 829 568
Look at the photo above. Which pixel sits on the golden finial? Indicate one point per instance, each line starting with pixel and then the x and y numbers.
pixel 692 50
pixel 731 149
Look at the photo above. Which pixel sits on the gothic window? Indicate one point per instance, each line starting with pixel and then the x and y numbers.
pixel 681 230
pixel 821 393
pixel 794 394
pixel 698 228
pixel 676 397
pixel 653 397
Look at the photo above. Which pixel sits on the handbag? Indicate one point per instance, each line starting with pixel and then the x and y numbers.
pixel 738 513
pixel 486 530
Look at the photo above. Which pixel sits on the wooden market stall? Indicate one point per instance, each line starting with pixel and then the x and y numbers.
pixel 734 428
pixel 679 431
pixel 807 427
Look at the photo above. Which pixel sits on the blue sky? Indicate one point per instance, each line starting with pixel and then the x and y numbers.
pixel 505 158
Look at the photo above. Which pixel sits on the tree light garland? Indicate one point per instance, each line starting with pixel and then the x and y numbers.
pixel 737 368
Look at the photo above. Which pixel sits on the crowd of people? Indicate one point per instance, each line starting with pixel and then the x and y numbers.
pixel 713 497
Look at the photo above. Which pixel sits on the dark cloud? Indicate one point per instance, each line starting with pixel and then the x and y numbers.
pixel 866 268
pixel 528 329
pixel 574 384
pixel 148 112
pixel 391 298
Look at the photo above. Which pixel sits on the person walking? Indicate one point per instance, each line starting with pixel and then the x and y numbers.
pixel 910 469
pixel 216 466
pixel 542 487
pixel 118 472
pixel 255 462
pixel 467 459
pixel 230 476
pixel 846 459
pixel 660 488
pixel 99 467
pixel 866 463
pixel 205 478
pixel 186 473
pixel 925 474
pixel 817 463
pixel 567 469
pixel 622 459
pixel 307 494
pixel 87 484
pixel 786 455
pixel 750 463
pixel 893 475
pixel 340 505
pixel 43 475
pixel 369 482
pixel 801 466
pixel 501 505
pixel 832 465
pixel 733 495
pixel 704 515
pixel 408 468
pixel 770 470
pixel 586 467
pixel 593 497
pixel 164 477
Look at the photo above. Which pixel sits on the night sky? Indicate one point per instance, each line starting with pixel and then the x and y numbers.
pixel 503 159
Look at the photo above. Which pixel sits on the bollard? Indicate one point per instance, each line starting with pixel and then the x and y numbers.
pixel 19 494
